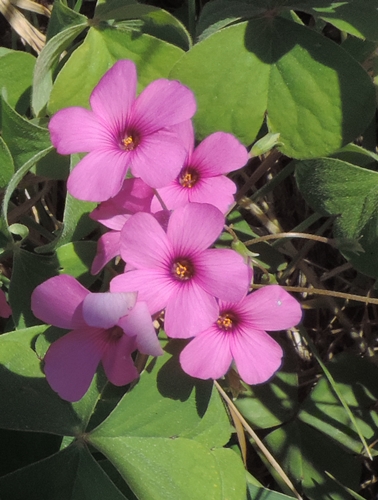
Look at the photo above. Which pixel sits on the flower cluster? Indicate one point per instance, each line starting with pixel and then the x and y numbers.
pixel 164 220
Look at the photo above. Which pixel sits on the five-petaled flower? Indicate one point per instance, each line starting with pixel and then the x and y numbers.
pixel 106 327
pixel 177 271
pixel 202 178
pixel 123 132
pixel 239 333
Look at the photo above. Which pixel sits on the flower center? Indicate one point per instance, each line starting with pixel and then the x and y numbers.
pixel 182 269
pixel 226 321
pixel 188 177
pixel 130 141
pixel 114 334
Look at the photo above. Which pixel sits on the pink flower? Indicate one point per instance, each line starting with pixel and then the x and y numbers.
pixel 5 310
pixel 106 327
pixel 239 334
pixel 201 178
pixel 176 270
pixel 123 131
pixel 135 196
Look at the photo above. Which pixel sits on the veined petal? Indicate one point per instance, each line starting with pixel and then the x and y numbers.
pixel 108 247
pixel 99 175
pixel 117 361
pixel 108 215
pixel 256 354
pixel 71 362
pixel 222 273
pixel 153 286
pixel 208 355
pixel 271 308
pixel 57 301
pixel 114 95
pixel 190 310
pixel 144 243
pixel 161 104
pixel 135 196
pixel 173 196
pixel 103 310
pixel 159 158
pixel 185 131
pixel 219 153
pixel 138 324
pixel 194 227
pixel 77 130
pixel 218 191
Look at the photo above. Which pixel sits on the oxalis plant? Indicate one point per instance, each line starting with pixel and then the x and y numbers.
pixel 188 256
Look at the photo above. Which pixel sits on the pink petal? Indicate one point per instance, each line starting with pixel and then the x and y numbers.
pixel 99 175
pixel 271 308
pixel 173 196
pixel 185 131
pixel 208 355
pixel 190 310
pixel 117 361
pixel 114 95
pixel 138 324
pixel 5 310
pixel 162 103
pixel 108 247
pixel 222 273
pixel 153 287
pixel 257 355
pixel 194 228
pixel 109 215
pixel 219 153
pixel 72 360
pixel 218 191
pixel 135 196
pixel 158 158
pixel 103 310
pixel 77 130
pixel 144 242
pixel 57 301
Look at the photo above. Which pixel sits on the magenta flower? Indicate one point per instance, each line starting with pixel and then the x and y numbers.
pixel 123 132
pixel 106 327
pixel 239 334
pixel 5 310
pixel 202 178
pixel 135 196
pixel 177 271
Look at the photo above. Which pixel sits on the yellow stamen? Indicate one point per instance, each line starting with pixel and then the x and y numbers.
pixel 189 178
pixel 225 322
pixel 182 270
pixel 129 143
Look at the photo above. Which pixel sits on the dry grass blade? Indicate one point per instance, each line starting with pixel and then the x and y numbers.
pixel 31 7
pixel 22 27
pixel 273 462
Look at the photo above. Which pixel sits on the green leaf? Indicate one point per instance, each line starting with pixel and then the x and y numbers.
pixel 151 20
pixel 166 426
pixel 16 73
pixel 6 162
pixel 334 187
pixel 356 381
pixel 305 454
pixel 110 45
pixel 359 18
pixel 62 18
pixel 264 494
pixel 23 138
pixel 71 474
pixel 29 270
pixel 50 54
pixel 317 97
pixel 76 259
pixel 271 404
